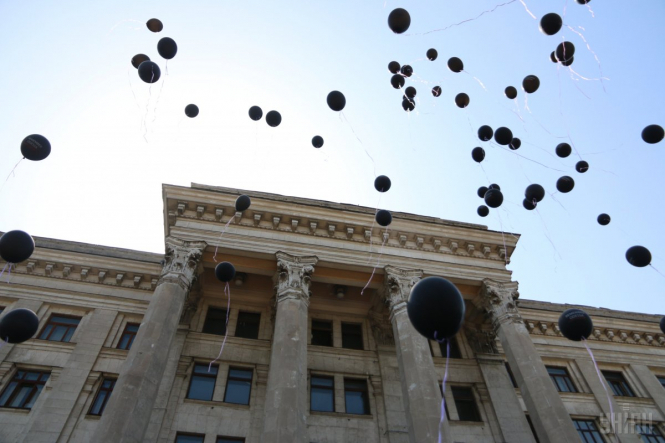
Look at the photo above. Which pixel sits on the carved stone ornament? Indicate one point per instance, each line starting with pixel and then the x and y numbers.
pixel 381 328
pixel 398 283
pixel 191 304
pixel 294 276
pixel 499 300
pixel 482 341
pixel 182 262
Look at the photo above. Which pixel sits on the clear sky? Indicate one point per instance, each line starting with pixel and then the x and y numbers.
pixel 67 75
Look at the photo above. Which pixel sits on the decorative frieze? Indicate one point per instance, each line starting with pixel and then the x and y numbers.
pixel 599 334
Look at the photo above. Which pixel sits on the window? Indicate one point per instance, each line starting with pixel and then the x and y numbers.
pixel 248 325
pixel 215 322
pixel 189 438
pixel 618 384
pixel 661 379
pixel 649 433
pixel 352 336
pixel 230 440
pixel 533 430
pixel 588 431
pixel 102 397
pixel 59 328
pixel 561 379
pixel 511 375
pixel 454 349
pixel 465 403
pixel 238 386
pixel 355 396
pixel 128 336
pixel 202 384
pixel 322 334
pixel 23 390
pixel 322 394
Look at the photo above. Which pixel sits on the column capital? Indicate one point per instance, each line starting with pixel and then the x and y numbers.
pixel 182 262
pixel 499 300
pixel 294 274
pixel 397 286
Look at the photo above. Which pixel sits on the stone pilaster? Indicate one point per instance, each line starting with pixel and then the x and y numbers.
pixel 651 384
pixel 258 408
pixel 128 411
pixel 420 390
pixel 546 409
pixel 286 405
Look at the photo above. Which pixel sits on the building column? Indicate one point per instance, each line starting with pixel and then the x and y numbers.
pixel 420 389
pixel 651 384
pixel 546 409
pixel 286 405
pixel 127 414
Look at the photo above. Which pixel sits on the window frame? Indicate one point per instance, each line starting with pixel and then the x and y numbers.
pixel 229 377
pixel 50 322
pixel 132 336
pixel 225 324
pixel 330 322
pixel 365 395
pixel 258 324
pixel 206 374
pixel 106 398
pixel 620 383
pixel 360 335
pixel 466 399
pixel 597 437
pixel 661 379
pixel 658 437
pixel 189 434
pixel 567 380
pixel 330 388
pixel 22 382
pixel 455 351
pixel 231 439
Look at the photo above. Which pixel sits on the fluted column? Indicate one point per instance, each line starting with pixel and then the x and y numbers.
pixel 420 389
pixel 286 405
pixel 546 409
pixel 128 411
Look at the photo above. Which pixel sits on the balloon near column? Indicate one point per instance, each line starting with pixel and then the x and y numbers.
pixel 225 272
pixel 18 325
pixel 575 324
pixel 436 308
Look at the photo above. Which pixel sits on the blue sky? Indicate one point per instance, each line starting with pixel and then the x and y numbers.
pixel 67 75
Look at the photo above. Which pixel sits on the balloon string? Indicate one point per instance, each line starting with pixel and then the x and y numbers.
pixel 372 228
pixel 563 117
pixel 131 88
pixel 343 116
pixel 465 21
pixel 600 69
pixel 221 235
pixel 654 268
pixel 11 173
pixel 159 95
pixel 2 343
pixel 3 269
pixel 147 109
pixel 602 382
pixel 547 231
pixel 527 10
pixel 443 385
pixel 227 292
pixel 385 238
pixel 475 78
pixel 505 248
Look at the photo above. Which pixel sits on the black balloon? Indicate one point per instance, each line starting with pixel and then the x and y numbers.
pixel 494 186
pixel 662 325
pixel 167 48
pixel 149 71
pixel 410 92
pixel 530 84
pixel 382 183
pixel 604 219
pixel 564 51
pixel 462 100
pixel 406 70
pixel 336 101
pixel 515 143
pixel 583 2
pixel 35 147
pixel 399 20
pixel 455 64
pixel 529 205
pixel 481 191
pixel 550 23
pixel 478 154
pixel 317 141
pixel 653 134
pixel 436 91
pixel 393 67
pixel 534 192
pixel 483 210
pixel 485 133
pixel 436 308
pixel 493 198
pixel 243 202
pixel 397 81
pixel 273 118
pixel 16 246
pixel 568 62
pixel 225 271
pixel 154 25
pixel 138 59
pixel 383 217
pixel 503 135
pixel 191 111
pixel 408 105
pixel 563 150
pixel 511 92
pixel 638 256
pixel 18 325
pixel 553 57
pixel 582 166
pixel 432 54
pixel 575 324
pixel 255 113
pixel 565 184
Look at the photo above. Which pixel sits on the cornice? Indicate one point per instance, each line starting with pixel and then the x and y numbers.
pixel 600 334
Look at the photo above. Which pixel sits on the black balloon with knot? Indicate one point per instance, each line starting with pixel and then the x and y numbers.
pixel 530 84
pixel 18 325
pixel 225 272
pixel 638 256
pixel 155 25
pixel 167 48
pixel 511 92
pixel 383 217
pixel 493 198
pixel 408 105
pixel 191 111
pixel 565 184
pixel 16 246
pixel 462 100
pixel 397 81
pixel 563 150
pixel 564 51
pixel 455 64
pixel 138 59
pixel 436 308
pixel 436 91
pixel 273 118
pixel 399 20
pixel 317 141
pixel 604 219
pixel 568 62
pixel 336 101
pixel 35 147
pixel 483 210
pixel 653 134
pixel 481 191
pixel 243 202
pixel 503 136
pixel 255 113
pixel 515 143
pixel 529 205
pixel 581 166
pixel 550 23
pixel 406 70
pixel 149 71
pixel 575 324
pixel 410 92
pixel 393 67
pixel 494 186
pixel 382 183
pixel 432 54
pixel 583 2
pixel 534 192
pixel 485 133
pixel 478 154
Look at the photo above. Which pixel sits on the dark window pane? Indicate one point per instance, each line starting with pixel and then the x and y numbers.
pixel 352 336
pixel 124 342
pixel 59 328
pixel 8 391
pixel 561 379
pixel 662 381
pixel 618 384
pixel 128 336
pixel 189 438
pixel 230 440
pixel 322 333
pixel 355 396
pixel 35 395
pixel 21 397
pixel 588 431
pixel 465 403
pixel 238 392
pixel 215 322
pixel 454 349
pixel 97 404
pixel 201 388
pixel 240 373
pixel 68 335
pixel 23 390
pixel 322 394
pixel 248 325
pixel 46 332
pixel 66 320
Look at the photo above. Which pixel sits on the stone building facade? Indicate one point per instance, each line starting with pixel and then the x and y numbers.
pixel 128 341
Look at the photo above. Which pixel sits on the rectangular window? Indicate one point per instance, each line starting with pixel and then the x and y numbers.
pixel 238 386
pixel 618 384
pixel 533 430
pixel 465 403
pixel 511 375
pixel 128 335
pixel 215 322
pixel 23 389
pixel 588 431
pixel 561 379
pixel 454 349
pixel 649 433
pixel 189 438
pixel 322 394
pixel 661 380
pixel 355 396
pixel 248 325
pixel 352 336
pixel 59 328
pixel 99 403
pixel 230 440
pixel 202 384
pixel 322 333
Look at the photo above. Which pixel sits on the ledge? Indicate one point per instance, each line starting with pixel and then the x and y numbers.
pixel 213 403
pixel 340 415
